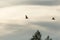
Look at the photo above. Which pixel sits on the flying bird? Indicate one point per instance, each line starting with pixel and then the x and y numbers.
pixel 53 18
pixel 26 17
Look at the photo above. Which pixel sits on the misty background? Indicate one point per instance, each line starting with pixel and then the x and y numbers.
pixel 4 3
pixel 14 26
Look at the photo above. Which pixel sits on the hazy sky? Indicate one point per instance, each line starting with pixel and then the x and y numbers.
pixel 13 25
pixel 29 2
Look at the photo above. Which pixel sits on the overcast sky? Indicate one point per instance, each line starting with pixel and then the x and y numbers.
pixel 4 3
pixel 13 25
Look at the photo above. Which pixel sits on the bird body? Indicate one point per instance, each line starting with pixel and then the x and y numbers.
pixel 26 16
pixel 53 18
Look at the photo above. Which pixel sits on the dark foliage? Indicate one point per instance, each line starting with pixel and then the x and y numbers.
pixel 37 36
pixel 48 38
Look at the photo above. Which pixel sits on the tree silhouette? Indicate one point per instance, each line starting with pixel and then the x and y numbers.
pixel 48 38
pixel 36 36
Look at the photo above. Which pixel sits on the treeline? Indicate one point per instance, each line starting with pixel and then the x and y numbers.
pixel 38 36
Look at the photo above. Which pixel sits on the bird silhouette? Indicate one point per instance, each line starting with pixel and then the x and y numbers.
pixel 53 18
pixel 26 17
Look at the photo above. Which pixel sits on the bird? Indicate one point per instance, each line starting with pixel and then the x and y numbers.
pixel 53 18
pixel 26 17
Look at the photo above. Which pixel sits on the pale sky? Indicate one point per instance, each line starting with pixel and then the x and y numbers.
pixel 14 26
pixel 4 3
